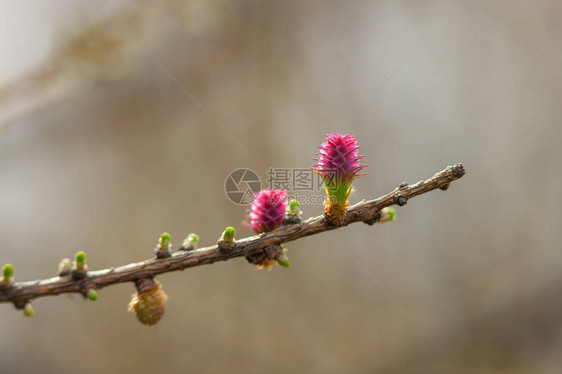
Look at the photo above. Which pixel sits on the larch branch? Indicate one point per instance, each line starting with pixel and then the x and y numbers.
pixel 365 211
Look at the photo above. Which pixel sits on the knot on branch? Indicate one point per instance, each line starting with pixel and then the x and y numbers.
pixel 20 304
pixel 163 253
pixel 225 247
pixel 376 217
pixel 403 186
pixel 145 284
pixel 24 306
pixel 291 220
pixel 4 286
pixel 87 289
pixel 400 199
pixel 79 273
pixel 267 257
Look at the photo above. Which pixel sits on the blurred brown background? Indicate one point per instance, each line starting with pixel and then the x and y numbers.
pixel 120 120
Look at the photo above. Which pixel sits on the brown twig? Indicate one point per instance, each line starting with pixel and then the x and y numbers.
pixel 365 211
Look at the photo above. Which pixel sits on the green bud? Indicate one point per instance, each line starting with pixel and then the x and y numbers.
pixel 228 234
pixel 284 263
pixel 92 295
pixel 283 259
pixel 164 241
pixel 190 242
pixel 28 310
pixel 65 265
pixel 7 273
pixel 80 260
pixel 163 249
pixel 294 208
pixel 193 238
pixel 387 215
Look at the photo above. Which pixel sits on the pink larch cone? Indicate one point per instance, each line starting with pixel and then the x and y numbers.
pixel 267 210
pixel 338 164
pixel 266 214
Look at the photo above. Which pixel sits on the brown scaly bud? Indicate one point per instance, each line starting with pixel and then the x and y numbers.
pixel 148 302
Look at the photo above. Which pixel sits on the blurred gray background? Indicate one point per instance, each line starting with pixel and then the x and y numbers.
pixel 120 120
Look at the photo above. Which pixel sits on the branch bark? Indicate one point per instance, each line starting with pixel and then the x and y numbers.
pixel 365 211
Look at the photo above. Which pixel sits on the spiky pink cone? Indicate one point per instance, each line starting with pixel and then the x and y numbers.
pixel 338 165
pixel 266 214
pixel 267 210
